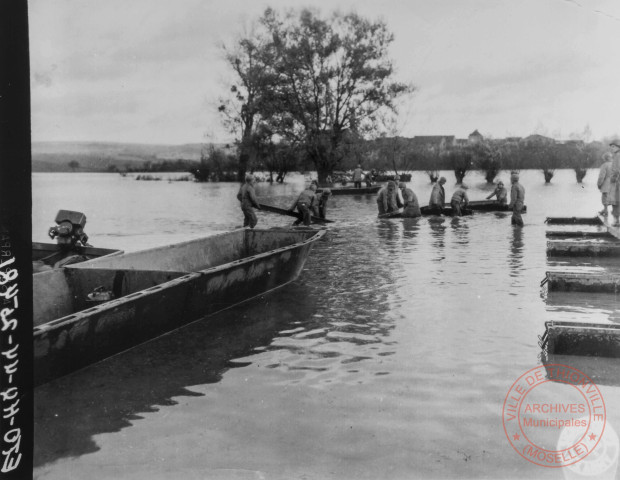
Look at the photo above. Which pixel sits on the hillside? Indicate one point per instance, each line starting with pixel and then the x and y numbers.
pixel 101 156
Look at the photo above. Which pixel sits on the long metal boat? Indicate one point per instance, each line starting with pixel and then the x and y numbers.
pixel 89 311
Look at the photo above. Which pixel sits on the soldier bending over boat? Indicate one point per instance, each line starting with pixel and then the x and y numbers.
pixel 459 201
pixel 412 206
pixel 386 198
pixel 501 193
pixel 305 204
pixel 248 200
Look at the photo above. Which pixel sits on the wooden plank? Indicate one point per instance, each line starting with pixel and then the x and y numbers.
pixel 585 339
pixel 283 211
pixel 584 248
pixel 577 234
pixel 583 282
pixel 573 221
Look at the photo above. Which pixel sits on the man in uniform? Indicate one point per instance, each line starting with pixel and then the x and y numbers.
pixel 517 199
pixel 247 197
pixel 410 199
pixel 613 197
pixel 386 200
pixel 459 201
pixel 501 193
pixel 604 181
pixel 322 206
pixel 305 204
pixel 357 177
pixel 438 197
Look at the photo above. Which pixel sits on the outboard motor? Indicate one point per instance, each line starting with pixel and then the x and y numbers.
pixel 69 230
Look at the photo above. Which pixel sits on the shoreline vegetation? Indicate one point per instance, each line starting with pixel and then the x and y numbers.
pixel 387 156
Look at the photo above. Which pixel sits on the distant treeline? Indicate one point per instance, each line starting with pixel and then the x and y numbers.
pixel 85 162
pixel 384 155
pixel 398 155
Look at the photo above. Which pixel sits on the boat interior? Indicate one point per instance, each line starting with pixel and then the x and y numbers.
pixel 64 291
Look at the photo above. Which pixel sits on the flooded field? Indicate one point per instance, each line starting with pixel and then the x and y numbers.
pixel 390 357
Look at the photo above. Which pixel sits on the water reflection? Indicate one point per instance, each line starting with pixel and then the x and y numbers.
pixel 583 307
pixel 602 371
pixel 389 233
pixel 411 227
pixel 460 228
pixel 516 252
pixel 438 234
pixel 112 394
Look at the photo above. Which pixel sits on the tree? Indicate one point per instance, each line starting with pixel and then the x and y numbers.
pixel 546 158
pixel 74 165
pixel 461 161
pixel 250 59
pixel 488 158
pixel 333 76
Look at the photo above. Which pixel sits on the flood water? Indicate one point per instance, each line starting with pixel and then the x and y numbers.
pixel 389 358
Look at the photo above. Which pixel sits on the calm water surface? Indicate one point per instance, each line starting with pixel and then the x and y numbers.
pixel 390 357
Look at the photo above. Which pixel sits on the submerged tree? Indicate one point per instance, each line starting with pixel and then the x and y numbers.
pixel 333 77
pixel 488 158
pixel 461 161
pixel 546 158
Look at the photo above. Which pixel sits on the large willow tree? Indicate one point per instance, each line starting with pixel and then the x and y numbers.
pixel 319 82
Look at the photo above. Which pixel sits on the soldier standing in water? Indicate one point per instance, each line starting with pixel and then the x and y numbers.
pixel 517 199
pixel 247 197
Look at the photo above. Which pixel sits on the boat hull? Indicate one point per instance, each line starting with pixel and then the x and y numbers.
pixel 79 339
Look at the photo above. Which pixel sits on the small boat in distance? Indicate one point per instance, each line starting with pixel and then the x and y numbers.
pixel 426 211
pixel 89 311
pixel 353 190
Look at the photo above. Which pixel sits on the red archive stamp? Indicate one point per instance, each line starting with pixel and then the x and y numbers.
pixel 554 415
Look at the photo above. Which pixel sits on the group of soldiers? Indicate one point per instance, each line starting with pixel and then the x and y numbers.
pixel 389 199
pixel 308 203
pixel 609 182
pixel 394 196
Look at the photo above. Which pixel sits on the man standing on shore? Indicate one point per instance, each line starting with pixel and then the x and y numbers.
pixel 517 199
pixel 604 182
pixel 613 197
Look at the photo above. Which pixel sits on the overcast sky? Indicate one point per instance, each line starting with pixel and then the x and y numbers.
pixel 150 71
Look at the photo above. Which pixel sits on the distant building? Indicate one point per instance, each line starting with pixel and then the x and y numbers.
pixel 572 143
pixel 434 142
pixel 538 140
pixel 475 137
